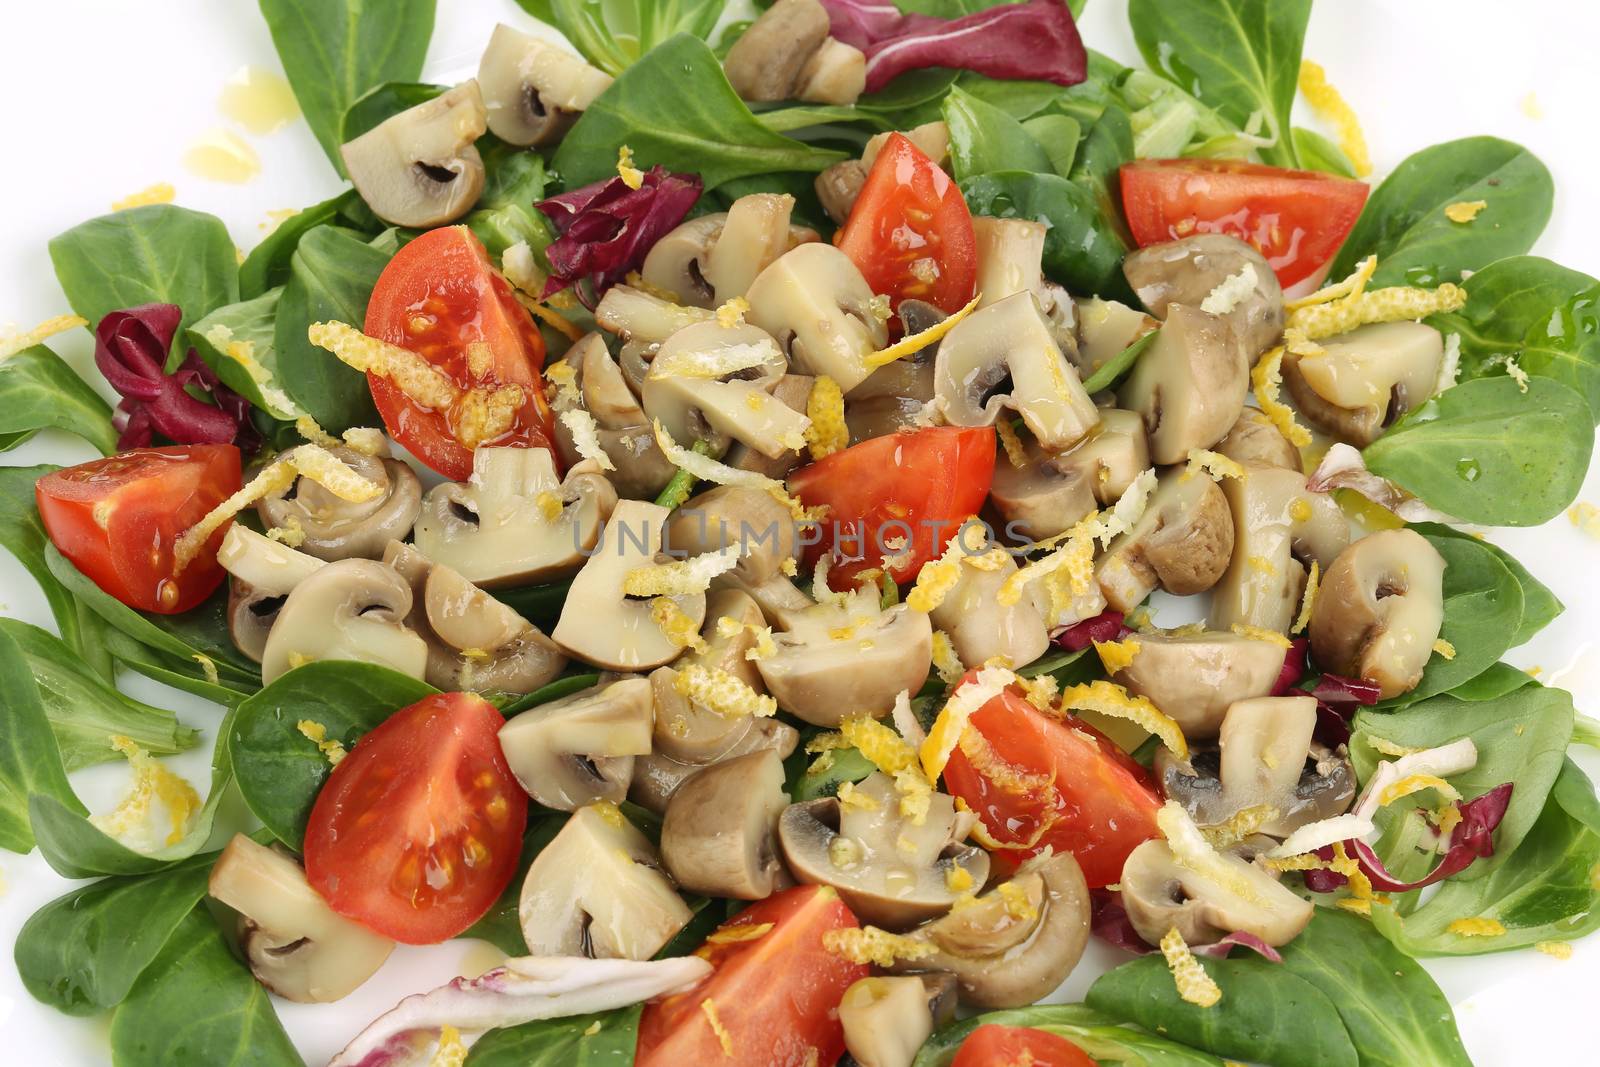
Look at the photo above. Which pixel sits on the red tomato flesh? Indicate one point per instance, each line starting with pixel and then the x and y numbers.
pixel 1018 1046
pixel 917 484
pixel 418 830
pixel 1057 783
pixel 117 519
pixel 775 997
pixel 910 232
pixel 1297 219
pixel 441 298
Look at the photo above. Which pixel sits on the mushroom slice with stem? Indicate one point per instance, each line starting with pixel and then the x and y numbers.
pixel 980 627
pixel 600 623
pixel 1053 490
pixel 1105 329
pixel 713 383
pixel 1279 527
pixel 1005 356
pixel 295 945
pixel 1160 893
pixel 495 530
pixel 1379 610
pixel 1182 543
pixel 354 609
pixel 1362 381
pixel 794 391
pixel 597 890
pixel 335 528
pixel 1218 273
pixel 895 396
pixel 821 310
pixel 1017 942
pixel 711 259
pixel 1189 385
pixel 1256 439
pixel 657 777
pixel 887 1019
pixel 420 167
pixel 741 517
pixel 263 573
pixel 1010 261
pixel 580 749
pixel 765 63
pixel 1194 677
pixel 643 318
pixel 892 870
pixel 719 836
pixel 533 90
pixel 623 429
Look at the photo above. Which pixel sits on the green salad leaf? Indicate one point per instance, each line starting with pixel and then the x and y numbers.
pixel 1317 152
pixel 616 34
pixel 985 138
pixel 606 1039
pixel 30 763
pixel 253 323
pixel 39 391
pixel 1540 607
pixel 268 264
pixel 22 534
pixel 1101 1036
pixel 1082 249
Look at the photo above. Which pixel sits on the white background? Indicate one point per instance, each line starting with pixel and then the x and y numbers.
pixel 100 98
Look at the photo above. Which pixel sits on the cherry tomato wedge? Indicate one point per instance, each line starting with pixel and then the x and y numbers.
pixel 441 298
pixel 1297 219
pixel 910 232
pixel 916 485
pixel 418 830
pixel 1018 1046
pixel 774 998
pixel 1057 783
pixel 118 518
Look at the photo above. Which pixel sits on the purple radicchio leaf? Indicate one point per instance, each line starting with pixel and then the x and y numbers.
pixel 1106 626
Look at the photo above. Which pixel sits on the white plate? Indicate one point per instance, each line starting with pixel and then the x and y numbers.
pixel 102 99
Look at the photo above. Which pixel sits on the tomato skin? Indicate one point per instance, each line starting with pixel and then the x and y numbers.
pixel 145 499
pixel 875 489
pixel 438 296
pixel 1100 807
pixel 910 232
pixel 992 1045
pixel 776 996
pixel 431 772
pixel 1297 219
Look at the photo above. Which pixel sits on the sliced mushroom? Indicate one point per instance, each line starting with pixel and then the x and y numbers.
pixel 695 400
pixel 1189 385
pixel 354 609
pixel 780 600
pixel 1006 356
pixel 1010 261
pixel 1279 525
pixel 657 777
pixel 890 869
pixel 1182 543
pixel 532 90
pixel 1255 439
pixel 1008 950
pixel 597 890
pixel 794 391
pixel 600 623
pixel 886 1020
pixel 1160 893
pixel 296 946
pixel 339 529
pixel 849 658
pixel 836 73
pixel 1105 329
pixel 820 309
pixel 895 397
pixel 643 318
pixel 1195 677
pixel 579 750
pixel 711 259
pixel 263 573
pixel 1191 271
pixel 1264 758
pixel 494 529
pixel 1362 381
pixel 1052 491
pixel 736 516
pixel 1379 609
pixel 420 167
pixel 980 627
pixel 626 436
pixel 719 836
pixel 764 64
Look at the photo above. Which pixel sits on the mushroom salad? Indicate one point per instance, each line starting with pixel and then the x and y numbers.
pixel 792 524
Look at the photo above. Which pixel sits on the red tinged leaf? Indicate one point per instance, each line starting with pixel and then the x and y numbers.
pixel 607 228
pixel 1106 626
pixel 1294 667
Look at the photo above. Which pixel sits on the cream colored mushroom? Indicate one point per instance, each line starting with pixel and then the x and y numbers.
pixel 657 777
pixel 1279 527
pixel 886 1020
pixel 740 517
pixel 263 573
pixel 1182 543
pixel 353 609
pixel 817 305
pixel 1217 273
pixel 690 391
pixel 495 530
pixel 1195 677
pixel 1160 893
pixel 1010 342
pixel 895 396
pixel 579 749
pixel 793 391
pixel 597 890
pixel 1105 329
pixel 335 528
pixel 623 429
pixel 1010 261
pixel 296 946
pixel 1189 385
pixel 765 63
pixel 1379 610
pixel 533 90
pixel 780 600
pixel 719 837
pixel 848 658
pixel 981 628
pixel 711 259
pixel 1255 439
pixel 643 318
pixel 836 73
pixel 420 167
pixel 684 730
pixel 839 185
pixel 1362 381
pixel 1052 491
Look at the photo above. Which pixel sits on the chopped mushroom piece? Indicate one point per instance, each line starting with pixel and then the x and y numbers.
pixel 981 628
pixel 836 73
pixel 691 390
pixel 599 387
pixel 839 185
pixel 533 90
pixel 887 1019
pixel 1379 609
pixel 420 168
pixel 711 259
pixel 335 528
pixel 1010 261
pixel 764 64
pixel 1160 893
pixel 1362 381
pixel 494 529
pixel 1182 543
pixel 895 396
pixel 597 890
pixel 657 777
pixel 1189 385
pixel 296 946
pixel 1256 439
pixel 1054 490
pixel 1105 329
pixel 642 318
pixel 263 574
pixel 794 391
pixel 1212 270
pixel 820 309
pixel 719 836
pixel 580 749
pixel 736 516
pixel 354 609
pixel 684 730
pixel 892 870
pixel 1194 677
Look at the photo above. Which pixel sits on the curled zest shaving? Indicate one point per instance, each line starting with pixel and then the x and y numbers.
pixel 1194 984
pixel 909 346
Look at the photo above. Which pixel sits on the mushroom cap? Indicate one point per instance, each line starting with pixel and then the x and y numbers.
pixel 719 836
pixel 657 777
pixel 580 749
pixel 1189 385
pixel 886 1019
pixel 262 572
pixel 420 168
pixel 532 89
pixel 694 402
pixel 1379 610
pixel 814 300
pixel 1187 271
pixel 838 186
pixel 711 259
pixel 1002 959
pixel 736 516
pixel 1363 380
pixel 341 529
pixel 981 628
pixel 1256 439
pixel 1105 329
pixel 1195 677
pixel 251 614
pixel 625 433
pixel 1182 543
pixel 764 64
pixel 838 661
pixel 891 871
pixel 1159 893
pixel 684 730
pixel 354 609
pixel 1053 491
